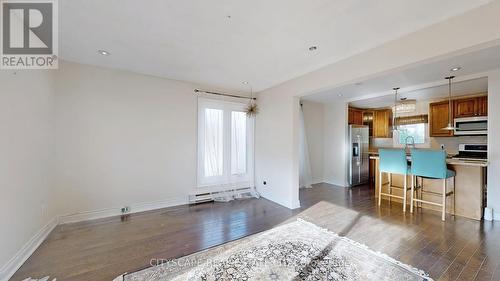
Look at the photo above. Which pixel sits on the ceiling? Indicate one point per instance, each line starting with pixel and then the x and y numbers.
pixel 468 87
pixel 419 80
pixel 225 42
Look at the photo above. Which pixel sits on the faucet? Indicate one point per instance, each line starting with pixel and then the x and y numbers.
pixel 407 144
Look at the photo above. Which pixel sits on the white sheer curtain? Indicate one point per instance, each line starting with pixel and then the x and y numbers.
pixel 238 143
pixel 225 145
pixel 214 142
pixel 305 177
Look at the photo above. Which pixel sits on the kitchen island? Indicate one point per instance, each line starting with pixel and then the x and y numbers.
pixel 469 187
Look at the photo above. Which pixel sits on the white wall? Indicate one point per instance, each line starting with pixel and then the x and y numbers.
pixel 494 143
pixel 335 144
pixel 314 120
pixel 277 122
pixel 86 141
pixel 122 139
pixel 276 149
pixel 26 149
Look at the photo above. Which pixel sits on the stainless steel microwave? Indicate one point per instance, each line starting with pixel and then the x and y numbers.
pixel 471 126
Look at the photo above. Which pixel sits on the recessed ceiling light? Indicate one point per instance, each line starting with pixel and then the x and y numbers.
pixel 457 68
pixel 103 53
pixel 340 95
pixel 313 48
pixel 245 82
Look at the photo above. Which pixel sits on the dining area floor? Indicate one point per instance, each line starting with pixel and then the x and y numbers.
pixel 457 249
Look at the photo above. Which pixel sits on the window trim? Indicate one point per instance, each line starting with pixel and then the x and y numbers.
pixel 227 180
pixel 424 135
pixel 427 140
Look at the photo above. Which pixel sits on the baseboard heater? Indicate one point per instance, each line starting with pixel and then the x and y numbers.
pixel 223 195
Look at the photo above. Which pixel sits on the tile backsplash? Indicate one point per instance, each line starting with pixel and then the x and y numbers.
pixel 451 143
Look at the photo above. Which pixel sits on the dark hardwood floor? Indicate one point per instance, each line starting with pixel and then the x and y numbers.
pixel 458 249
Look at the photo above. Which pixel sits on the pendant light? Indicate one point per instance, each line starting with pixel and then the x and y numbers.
pixel 450 126
pixel 394 126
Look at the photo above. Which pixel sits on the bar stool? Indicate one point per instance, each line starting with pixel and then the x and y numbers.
pixel 393 161
pixel 431 164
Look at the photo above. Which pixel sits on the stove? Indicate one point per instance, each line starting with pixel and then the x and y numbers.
pixel 470 152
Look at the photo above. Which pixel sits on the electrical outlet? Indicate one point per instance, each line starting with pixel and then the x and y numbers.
pixel 125 209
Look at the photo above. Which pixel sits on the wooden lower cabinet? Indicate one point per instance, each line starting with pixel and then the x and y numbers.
pixel 438 119
pixel 372 172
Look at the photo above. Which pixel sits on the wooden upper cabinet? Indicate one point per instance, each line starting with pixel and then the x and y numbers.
pixel 466 107
pixel 483 106
pixel 382 123
pixel 438 119
pixel 470 107
pixel 355 116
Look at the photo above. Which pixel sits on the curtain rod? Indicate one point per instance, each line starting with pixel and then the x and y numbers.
pixel 222 94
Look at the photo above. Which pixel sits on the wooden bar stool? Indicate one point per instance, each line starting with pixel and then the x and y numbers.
pixel 393 161
pixel 431 164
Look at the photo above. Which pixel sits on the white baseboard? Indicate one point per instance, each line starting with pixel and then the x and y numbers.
pixel 337 184
pixel 491 215
pixel 317 181
pixel 27 250
pixel 278 200
pixel 111 212
pixel 295 205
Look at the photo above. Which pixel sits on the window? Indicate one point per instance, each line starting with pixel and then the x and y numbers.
pixel 225 144
pixel 213 142
pixel 238 143
pixel 415 131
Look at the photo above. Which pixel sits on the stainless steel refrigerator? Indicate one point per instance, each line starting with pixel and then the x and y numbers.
pixel 358 155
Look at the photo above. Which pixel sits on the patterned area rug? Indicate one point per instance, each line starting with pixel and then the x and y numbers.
pixel 296 251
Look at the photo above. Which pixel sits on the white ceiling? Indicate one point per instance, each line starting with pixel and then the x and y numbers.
pixel 468 87
pixel 222 43
pixel 415 79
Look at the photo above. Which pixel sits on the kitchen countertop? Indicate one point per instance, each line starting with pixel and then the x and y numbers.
pixel 468 184
pixel 450 161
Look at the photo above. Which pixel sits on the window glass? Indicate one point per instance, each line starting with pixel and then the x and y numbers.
pixel 238 142
pixel 414 133
pixel 214 142
pixel 225 145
